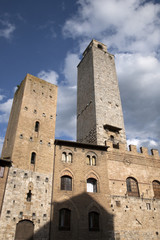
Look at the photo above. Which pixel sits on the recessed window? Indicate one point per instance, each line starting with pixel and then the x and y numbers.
pixel 156 188
pixel 132 187
pixel 91 159
pixel 93 218
pixel 21 136
pixel 51 116
pixel 67 157
pixel 33 158
pixel 66 183
pixel 91 185
pixel 100 46
pixel 36 128
pixel 29 196
pixel 35 111
pixel 64 219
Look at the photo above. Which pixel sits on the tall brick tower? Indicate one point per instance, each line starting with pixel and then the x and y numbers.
pixel 99 110
pixel 29 144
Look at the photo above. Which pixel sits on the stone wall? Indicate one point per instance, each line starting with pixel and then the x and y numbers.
pixel 17 208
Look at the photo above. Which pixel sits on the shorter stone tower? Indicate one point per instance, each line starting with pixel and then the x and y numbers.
pixel 99 110
pixel 29 144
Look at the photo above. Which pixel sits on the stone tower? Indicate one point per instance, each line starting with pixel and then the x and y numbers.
pixel 29 143
pixel 99 110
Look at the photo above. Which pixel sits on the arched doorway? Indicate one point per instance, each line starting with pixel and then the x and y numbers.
pixel 24 230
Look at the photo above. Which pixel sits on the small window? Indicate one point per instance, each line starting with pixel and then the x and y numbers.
pixel 156 188
pixel 64 219
pixel 93 221
pixel 66 183
pixel 33 158
pixel 91 159
pixel 93 163
pixel 100 46
pixel 29 196
pixel 91 185
pixel 132 187
pixel 64 157
pixel 36 126
pixel 69 158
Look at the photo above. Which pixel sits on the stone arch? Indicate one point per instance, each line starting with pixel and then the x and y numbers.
pixel 92 174
pixel 24 230
pixel 67 172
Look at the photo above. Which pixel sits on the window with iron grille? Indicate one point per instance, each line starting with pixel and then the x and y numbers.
pixel 132 187
pixel 66 183
pixel 156 188
pixel 64 219
pixel 93 218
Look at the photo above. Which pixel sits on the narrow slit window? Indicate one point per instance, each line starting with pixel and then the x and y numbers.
pixel 36 126
pixel 29 196
pixel 33 158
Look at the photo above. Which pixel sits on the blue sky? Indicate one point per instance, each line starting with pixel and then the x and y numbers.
pixel 47 38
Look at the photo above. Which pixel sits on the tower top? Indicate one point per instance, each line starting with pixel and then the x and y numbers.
pixel 96 44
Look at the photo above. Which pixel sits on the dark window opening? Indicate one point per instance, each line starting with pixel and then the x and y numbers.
pixel 156 188
pixel 36 126
pixel 93 221
pixel 132 187
pixel 33 158
pixel 64 219
pixel 66 183
pixel 29 196
pixel 91 185
pixel 100 46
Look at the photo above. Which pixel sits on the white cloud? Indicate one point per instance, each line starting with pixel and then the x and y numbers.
pixel 1 97
pixel 6 106
pixel 70 70
pixel 66 112
pixel 49 76
pixel 126 25
pixel 5 109
pixel 6 29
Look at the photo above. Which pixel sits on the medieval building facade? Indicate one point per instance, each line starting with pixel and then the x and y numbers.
pixel 93 188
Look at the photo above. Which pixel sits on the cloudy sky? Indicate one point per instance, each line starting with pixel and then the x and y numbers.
pixel 47 38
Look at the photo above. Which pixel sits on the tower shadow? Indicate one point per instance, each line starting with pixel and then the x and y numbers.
pixel 87 220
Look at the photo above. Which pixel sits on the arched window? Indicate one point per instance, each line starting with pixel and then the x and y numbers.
pixel 91 185
pixel 64 219
pixel 66 183
pixel 132 187
pixel 91 159
pixel 33 158
pixel 93 219
pixel 156 188
pixel 64 157
pixel 93 163
pixel 69 157
pixel 36 128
